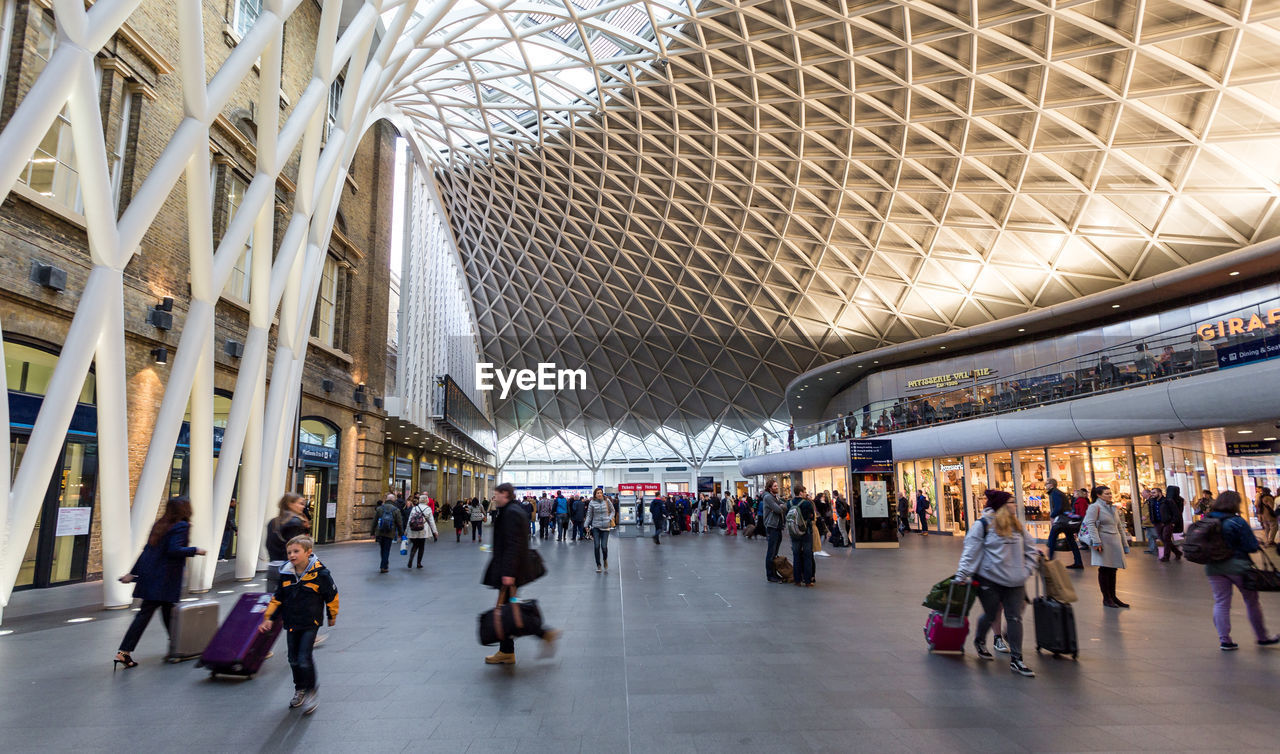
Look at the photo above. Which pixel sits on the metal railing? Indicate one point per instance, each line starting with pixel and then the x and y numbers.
pixel 1173 354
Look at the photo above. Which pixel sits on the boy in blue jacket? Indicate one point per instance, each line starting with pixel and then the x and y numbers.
pixel 306 594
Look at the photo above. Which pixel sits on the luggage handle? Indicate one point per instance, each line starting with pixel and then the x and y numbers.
pixel 946 611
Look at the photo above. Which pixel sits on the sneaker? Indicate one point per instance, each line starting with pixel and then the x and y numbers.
pixel 501 658
pixel 298 696
pixel 598 569
pixel 1228 646
pixel 1269 642
pixel 983 652
pixel 548 645
pixel 1075 567
pixel 311 701
pixel 1000 645
pixel 1020 667
pixel 821 554
pixel 382 570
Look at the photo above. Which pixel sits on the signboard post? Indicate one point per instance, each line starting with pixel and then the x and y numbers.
pixel 871 494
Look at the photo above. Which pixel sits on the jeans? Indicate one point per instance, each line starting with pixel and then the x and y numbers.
pixel 143 617
pixel 1152 535
pixel 601 539
pixel 544 523
pixel 1064 530
pixel 419 546
pixel 1166 536
pixel 802 554
pixel 579 530
pixel 301 641
pixel 224 552
pixel 477 531
pixel 1222 606
pixel 384 547
pixel 562 525
pixel 771 552
pixel 1012 599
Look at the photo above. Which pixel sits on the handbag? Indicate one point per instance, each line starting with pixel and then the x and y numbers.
pixel 1262 579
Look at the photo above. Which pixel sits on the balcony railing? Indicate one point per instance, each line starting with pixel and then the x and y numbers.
pixel 1170 355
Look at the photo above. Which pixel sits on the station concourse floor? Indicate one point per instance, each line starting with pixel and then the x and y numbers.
pixel 681 647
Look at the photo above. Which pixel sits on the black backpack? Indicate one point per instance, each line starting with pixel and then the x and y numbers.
pixel 1204 542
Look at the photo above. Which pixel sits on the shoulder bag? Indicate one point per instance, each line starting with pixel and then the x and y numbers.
pixel 1263 577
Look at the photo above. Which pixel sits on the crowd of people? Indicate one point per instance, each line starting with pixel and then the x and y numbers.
pixel 999 555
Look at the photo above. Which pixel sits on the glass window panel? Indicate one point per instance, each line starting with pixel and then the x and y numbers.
pixel 238 285
pixel 247 12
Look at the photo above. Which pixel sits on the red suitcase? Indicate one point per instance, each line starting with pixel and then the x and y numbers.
pixel 946 632
pixel 239 648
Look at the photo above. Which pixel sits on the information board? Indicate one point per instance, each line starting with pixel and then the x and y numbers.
pixel 72 522
pixel 875 499
pixel 871 456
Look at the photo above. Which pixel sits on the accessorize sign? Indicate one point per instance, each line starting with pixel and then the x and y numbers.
pixel 949 380
pixel 1238 325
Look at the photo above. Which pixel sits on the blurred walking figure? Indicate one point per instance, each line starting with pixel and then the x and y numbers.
pixel 288 523
pixel 157 574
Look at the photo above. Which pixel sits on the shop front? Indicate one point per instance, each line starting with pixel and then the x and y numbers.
pixel 318 458
pixel 58 550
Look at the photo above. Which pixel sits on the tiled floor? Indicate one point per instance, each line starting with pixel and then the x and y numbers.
pixel 679 648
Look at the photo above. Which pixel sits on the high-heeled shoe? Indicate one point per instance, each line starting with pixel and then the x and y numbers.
pixel 122 658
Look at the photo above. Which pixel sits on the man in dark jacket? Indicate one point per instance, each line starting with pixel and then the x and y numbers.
pixel 1062 522
pixel 388 525
pixel 773 516
pixel 509 563
pixel 904 513
pixel 657 511
pixel 578 512
pixel 922 512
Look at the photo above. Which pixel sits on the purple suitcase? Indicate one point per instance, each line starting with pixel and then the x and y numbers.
pixel 239 648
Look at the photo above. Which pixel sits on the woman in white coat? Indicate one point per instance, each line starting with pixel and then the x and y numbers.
pixel 420 524
pixel 1103 530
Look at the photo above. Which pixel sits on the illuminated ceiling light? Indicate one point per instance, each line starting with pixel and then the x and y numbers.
pixel 1268 439
pixel 1244 432
pixel 1022 329
pixel 942 348
pixel 1233 274
pixel 1115 306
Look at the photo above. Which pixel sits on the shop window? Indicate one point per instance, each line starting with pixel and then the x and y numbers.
pixel 245 14
pixel 317 432
pixel 232 196
pixel 29 369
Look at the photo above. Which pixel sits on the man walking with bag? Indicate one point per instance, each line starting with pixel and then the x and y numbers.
pixel 509 568
pixel 388 525
pixel 1062 522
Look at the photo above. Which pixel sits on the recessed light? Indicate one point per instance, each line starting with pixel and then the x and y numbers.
pixel 875 362
pixel 1115 306
pixel 1022 329
pixel 1233 274
pixel 1244 432
pixel 1268 439
pixel 942 348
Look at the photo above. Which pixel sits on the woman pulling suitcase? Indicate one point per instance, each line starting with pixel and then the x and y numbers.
pixel 158 574
pixel 1000 555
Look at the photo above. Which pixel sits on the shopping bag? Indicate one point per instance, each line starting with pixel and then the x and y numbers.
pixel 404 545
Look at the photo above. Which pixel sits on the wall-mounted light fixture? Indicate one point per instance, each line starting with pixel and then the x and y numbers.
pixel 359 418
pixel 233 348
pixel 161 315
pixel 160 355
pixel 359 394
pixel 53 278
pixel 326 385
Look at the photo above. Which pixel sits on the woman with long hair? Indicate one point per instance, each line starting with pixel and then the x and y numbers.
pixel 600 521
pixel 158 573
pixel 1105 535
pixel 998 551
pixel 1225 574
pixel 290 522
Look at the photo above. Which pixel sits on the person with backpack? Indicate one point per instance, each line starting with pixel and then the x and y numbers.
pixel 1223 541
pixel 421 525
pixel 562 516
pixel 157 574
pixel 1000 554
pixel 1171 521
pixel 388 526
pixel 1267 515
pixel 772 520
pixel 477 514
pixel 800 521
pixel 1103 530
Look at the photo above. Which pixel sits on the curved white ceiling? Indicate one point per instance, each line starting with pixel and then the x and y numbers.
pixel 762 187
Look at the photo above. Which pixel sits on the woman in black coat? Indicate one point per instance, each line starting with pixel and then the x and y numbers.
pixel 158 573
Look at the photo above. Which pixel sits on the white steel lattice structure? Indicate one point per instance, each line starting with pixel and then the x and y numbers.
pixel 696 200
pixel 405 60
pixel 804 179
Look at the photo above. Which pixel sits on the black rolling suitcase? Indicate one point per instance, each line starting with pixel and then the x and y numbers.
pixel 1055 625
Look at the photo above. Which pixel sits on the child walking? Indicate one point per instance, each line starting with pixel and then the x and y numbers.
pixel 306 594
